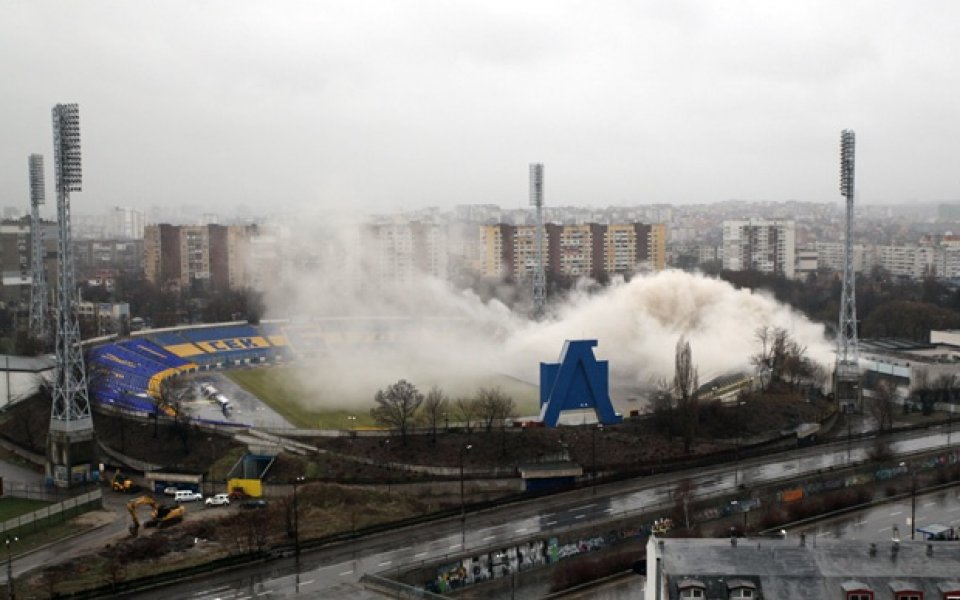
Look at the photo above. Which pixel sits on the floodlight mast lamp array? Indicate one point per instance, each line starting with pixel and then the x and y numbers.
pixel 39 325
pixel 71 405
pixel 539 274
pixel 847 368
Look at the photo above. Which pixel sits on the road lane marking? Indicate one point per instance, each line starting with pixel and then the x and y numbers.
pixel 489 537
pixel 212 590
pixel 419 554
pixel 521 530
pixel 454 546
pixel 385 563
pixel 551 523
pixel 926 504
pixel 307 582
pixel 263 593
pixel 899 512
pixel 586 506
pixel 346 573
pixel 580 517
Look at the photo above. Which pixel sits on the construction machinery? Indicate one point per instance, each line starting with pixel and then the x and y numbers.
pixel 162 515
pixel 124 484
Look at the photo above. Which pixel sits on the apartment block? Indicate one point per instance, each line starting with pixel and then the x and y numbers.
pixel 580 250
pixel 761 245
pixel 400 253
pixel 177 257
pixel 16 266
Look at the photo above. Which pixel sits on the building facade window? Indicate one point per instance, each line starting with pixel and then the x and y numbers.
pixel 860 595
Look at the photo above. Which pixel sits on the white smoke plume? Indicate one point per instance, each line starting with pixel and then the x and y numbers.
pixel 432 334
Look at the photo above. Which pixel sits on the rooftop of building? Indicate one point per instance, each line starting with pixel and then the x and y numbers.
pixel 810 569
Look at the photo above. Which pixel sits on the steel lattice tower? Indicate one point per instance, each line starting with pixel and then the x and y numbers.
pixel 39 327
pixel 70 447
pixel 539 274
pixel 847 373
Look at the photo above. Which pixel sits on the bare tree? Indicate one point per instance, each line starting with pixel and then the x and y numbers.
pixel 435 405
pixel 468 409
pixel 762 360
pixel 683 496
pixel 881 406
pixel 397 406
pixel 685 384
pixel 495 406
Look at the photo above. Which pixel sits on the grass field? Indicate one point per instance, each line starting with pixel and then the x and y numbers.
pixel 14 507
pixel 335 407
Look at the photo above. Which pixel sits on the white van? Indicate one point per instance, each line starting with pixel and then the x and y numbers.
pixel 223 402
pixel 187 496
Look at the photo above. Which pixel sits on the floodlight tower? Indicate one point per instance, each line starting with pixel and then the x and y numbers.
pixel 71 448
pixel 846 386
pixel 539 275
pixel 39 327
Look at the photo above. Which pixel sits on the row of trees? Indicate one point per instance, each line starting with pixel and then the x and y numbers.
pixel 781 360
pixel 401 406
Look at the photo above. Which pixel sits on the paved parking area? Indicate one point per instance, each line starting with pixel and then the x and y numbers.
pixel 246 409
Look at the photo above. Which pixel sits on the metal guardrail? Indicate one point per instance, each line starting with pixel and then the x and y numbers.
pixel 60 509
pixel 397 589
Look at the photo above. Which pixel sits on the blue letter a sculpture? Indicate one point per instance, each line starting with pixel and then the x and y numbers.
pixel 577 382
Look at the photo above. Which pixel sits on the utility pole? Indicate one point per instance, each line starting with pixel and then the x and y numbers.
pixel 463 509
pixel 11 592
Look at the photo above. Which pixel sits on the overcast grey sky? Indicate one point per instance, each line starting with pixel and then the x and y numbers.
pixel 392 104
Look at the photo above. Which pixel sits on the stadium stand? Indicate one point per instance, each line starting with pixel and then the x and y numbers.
pixel 130 374
pixel 227 345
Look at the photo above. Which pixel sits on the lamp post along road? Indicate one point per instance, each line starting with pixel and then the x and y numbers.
pixel 599 427
pixel 10 590
pixel 463 509
pixel 296 518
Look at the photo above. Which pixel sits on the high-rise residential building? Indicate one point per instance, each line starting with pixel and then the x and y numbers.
pixel 16 243
pixel 399 253
pixel 99 260
pixel 830 256
pixel 761 245
pixel 583 250
pixel 575 250
pixel 211 256
pixel 124 223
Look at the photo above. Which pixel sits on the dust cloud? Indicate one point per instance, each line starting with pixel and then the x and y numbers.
pixel 375 332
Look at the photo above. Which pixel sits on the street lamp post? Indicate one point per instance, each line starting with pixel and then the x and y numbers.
pixel 296 517
pixel 463 509
pixel 913 500
pixel 913 505
pixel 10 591
pixel 599 427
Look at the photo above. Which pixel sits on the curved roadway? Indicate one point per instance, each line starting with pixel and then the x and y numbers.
pixel 334 571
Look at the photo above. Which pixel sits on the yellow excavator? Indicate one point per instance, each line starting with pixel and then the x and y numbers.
pixel 162 515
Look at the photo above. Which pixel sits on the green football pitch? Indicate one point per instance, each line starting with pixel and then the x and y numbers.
pixel 14 507
pixel 310 399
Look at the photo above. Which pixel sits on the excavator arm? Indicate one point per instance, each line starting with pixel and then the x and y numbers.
pixel 162 515
pixel 132 507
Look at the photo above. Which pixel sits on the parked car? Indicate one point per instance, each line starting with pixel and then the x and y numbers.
pixel 187 496
pixel 253 504
pixel 218 500
pixel 170 491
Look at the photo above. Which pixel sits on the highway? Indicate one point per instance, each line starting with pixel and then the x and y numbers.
pixel 876 524
pixel 335 571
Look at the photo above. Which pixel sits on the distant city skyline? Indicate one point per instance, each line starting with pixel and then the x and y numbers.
pixel 380 107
